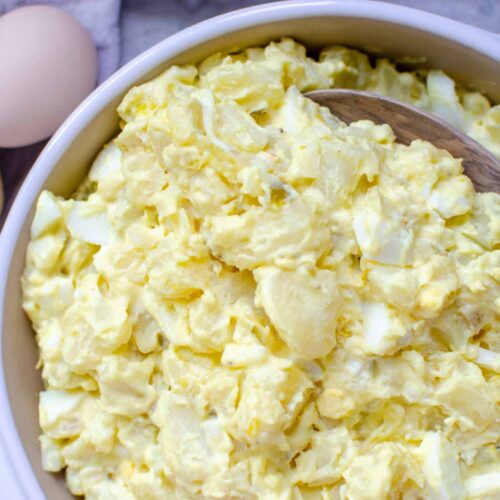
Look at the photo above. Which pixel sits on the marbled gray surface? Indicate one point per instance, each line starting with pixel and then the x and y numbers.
pixel 146 22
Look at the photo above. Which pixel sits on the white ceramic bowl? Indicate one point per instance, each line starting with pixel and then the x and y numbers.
pixel 470 55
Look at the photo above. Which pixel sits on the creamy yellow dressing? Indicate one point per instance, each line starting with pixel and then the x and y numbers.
pixel 249 299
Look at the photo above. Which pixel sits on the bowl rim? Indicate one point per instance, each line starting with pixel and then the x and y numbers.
pixel 479 40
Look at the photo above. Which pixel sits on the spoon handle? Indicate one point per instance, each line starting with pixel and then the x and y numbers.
pixel 409 124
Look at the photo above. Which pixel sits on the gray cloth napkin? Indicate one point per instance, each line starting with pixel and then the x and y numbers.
pixel 99 17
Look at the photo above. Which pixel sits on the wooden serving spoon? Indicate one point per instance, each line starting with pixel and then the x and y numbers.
pixel 408 124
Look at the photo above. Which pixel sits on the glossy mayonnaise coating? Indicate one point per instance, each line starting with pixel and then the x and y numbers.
pixel 249 299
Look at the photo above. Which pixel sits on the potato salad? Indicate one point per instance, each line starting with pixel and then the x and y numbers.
pixel 249 299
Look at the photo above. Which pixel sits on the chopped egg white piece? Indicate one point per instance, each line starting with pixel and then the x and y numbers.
pixel 485 486
pixel 452 197
pixel 383 331
pixel 87 224
pixel 106 164
pixel 48 214
pixel 440 467
pixel 444 100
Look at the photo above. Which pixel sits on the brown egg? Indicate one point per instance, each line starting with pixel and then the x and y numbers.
pixel 48 64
